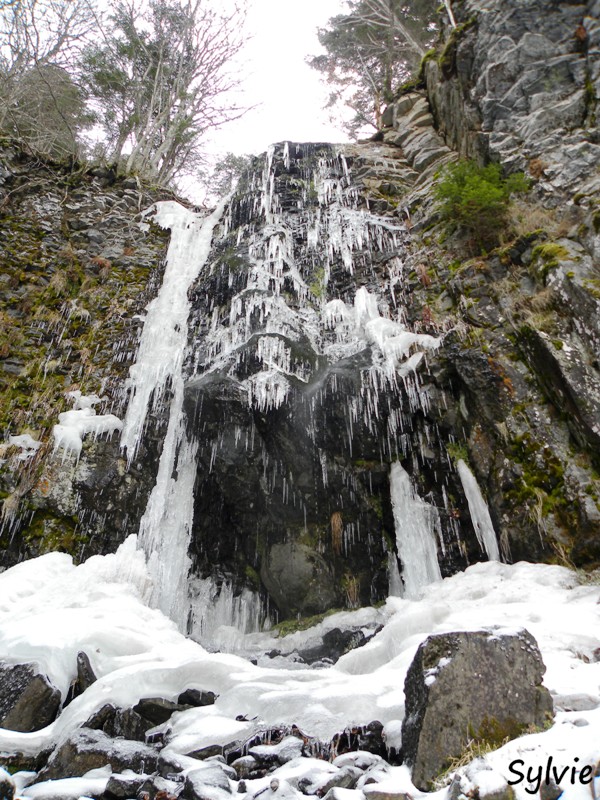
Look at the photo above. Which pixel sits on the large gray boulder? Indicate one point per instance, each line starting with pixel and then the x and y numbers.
pixel 483 685
pixel 91 749
pixel 28 700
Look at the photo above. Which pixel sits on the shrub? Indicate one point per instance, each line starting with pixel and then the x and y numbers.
pixel 476 199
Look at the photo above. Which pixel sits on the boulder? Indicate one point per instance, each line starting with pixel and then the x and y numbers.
pixel 156 709
pixel 90 749
pixel 28 700
pixel 122 722
pixel 196 697
pixel 120 787
pixel 287 749
pixel 206 784
pixel 482 685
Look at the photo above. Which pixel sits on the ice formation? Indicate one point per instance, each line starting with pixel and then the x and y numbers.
pixel 51 609
pixel 480 515
pixel 164 336
pixel 165 527
pixel 27 444
pixel 80 421
pixel 416 522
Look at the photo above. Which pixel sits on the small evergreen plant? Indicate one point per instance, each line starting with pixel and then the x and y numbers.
pixel 476 199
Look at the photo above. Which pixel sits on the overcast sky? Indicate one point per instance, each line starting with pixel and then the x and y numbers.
pixel 290 94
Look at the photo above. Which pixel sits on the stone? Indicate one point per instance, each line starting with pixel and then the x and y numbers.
pixel 196 697
pixel 7 785
pixel 245 766
pixel 156 709
pixel 88 749
pixel 374 792
pixel 158 788
pixel 84 678
pixel 123 722
pixel 28 699
pixel 120 787
pixel 287 749
pixel 345 778
pixel 481 685
pixel 206 784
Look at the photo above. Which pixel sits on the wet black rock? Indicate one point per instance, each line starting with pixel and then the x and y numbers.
pixel 28 700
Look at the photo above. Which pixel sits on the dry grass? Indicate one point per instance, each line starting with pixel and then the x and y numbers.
pixel 352 588
pixel 337 529
pixel 526 217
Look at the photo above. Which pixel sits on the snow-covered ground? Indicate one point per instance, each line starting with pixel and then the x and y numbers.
pixel 50 610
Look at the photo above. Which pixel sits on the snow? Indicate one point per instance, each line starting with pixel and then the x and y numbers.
pixel 81 420
pixel 50 610
pixel 28 445
pixel 92 784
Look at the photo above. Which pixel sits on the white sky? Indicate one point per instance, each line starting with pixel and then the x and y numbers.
pixel 290 94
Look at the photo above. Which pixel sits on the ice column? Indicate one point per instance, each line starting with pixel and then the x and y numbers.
pixel 164 336
pixel 415 533
pixel 480 515
pixel 165 527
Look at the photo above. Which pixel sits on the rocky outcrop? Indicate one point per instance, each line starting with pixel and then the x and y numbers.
pixel 76 273
pixel 481 686
pixel 89 749
pixel 28 700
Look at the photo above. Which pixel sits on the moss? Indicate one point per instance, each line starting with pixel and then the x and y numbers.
pixel 457 452
pixel 47 533
pixel 541 490
pixel 288 626
pixel 429 56
pixel 252 576
pixel 318 285
pixel 447 58
pixel 547 256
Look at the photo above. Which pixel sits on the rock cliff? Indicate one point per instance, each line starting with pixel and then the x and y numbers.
pixel 337 329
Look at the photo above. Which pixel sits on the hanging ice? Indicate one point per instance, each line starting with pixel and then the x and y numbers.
pixel 165 528
pixel 164 336
pixel 415 533
pixel 480 515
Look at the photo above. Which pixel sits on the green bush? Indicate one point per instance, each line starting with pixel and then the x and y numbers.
pixel 476 199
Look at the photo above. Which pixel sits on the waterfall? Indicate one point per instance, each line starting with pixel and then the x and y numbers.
pixel 480 515
pixel 165 527
pixel 415 523
pixel 289 313
pixel 163 342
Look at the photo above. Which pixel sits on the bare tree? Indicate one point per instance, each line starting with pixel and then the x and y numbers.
pixel 39 100
pixel 162 79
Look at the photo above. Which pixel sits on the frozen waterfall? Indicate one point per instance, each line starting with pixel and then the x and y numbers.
pixel 165 527
pixel 415 522
pixel 480 515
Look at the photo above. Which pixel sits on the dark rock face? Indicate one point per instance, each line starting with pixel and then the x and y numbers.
pixel 90 749
pixel 296 421
pixel 28 700
pixel 481 685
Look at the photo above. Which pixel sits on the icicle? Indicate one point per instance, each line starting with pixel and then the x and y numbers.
pixel 480 515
